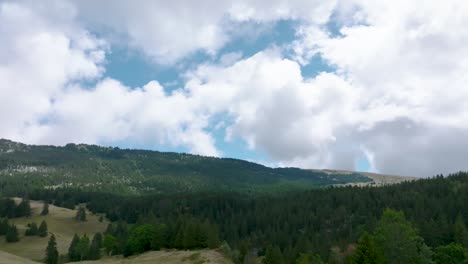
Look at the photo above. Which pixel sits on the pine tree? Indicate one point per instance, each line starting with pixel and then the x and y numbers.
pixel 45 208
pixel 42 231
pixel 81 214
pixel 273 256
pixel 51 251
pixel 306 258
pixel 460 233
pixel 73 254
pixel 95 248
pixel 23 208
pixel 397 241
pixel 4 225
pixel 9 208
pixel 451 253
pixel 32 230
pixel 365 251
pixel 12 234
pixel 110 244
pixel 83 247
pixel 98 238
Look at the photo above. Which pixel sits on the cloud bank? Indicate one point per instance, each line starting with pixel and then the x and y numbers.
pixel 396 97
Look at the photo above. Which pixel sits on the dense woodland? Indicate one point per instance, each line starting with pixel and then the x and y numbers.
pixel 412 222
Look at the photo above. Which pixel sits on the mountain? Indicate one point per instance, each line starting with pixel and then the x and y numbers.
pixel 126 171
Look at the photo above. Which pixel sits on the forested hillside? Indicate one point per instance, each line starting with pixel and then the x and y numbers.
pixel 421 221
pixel 90 167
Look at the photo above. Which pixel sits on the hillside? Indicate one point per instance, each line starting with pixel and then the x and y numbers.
pixel 60 222
pixel 168 257
pixel 117 170
pixel 7 258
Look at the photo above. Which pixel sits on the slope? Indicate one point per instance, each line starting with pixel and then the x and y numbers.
pixel 141 171
pixel 60 222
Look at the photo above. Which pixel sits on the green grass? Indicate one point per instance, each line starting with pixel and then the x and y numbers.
pixel 60 222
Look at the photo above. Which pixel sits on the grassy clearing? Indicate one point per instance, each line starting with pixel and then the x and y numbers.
pixel 168 257
pixel 60 221
pixel 7 258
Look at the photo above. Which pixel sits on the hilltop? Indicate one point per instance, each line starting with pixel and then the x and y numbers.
pixel 127 171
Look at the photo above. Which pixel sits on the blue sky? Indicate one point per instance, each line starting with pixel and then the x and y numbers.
pixel 323 85
pixel 135 70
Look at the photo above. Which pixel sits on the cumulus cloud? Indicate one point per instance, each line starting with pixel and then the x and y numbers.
pixel 168 31
pixel 43 98
pixel 409 64
pixel 37 59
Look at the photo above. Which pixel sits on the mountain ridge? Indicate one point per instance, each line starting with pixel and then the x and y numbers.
pixel 137 171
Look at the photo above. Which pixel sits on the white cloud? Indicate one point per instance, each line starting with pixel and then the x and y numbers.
pixel 42 99
pixel 410 64
pixel 37 59
pixel 168 31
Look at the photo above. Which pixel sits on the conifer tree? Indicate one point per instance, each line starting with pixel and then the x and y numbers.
pixel 460 233
pixel 32 230
pixel 4 225
pixel 95 248
pixel 42 231
pixel 23 208
pixel 110 244
pixel 52 254
pixel 81 214
pixel 83 247
pixel 9 208
pixel 306 258
pixel 45 208
pixel 365 251
pixel 73 254
pixel 398 241
pixel 12 234
pixel 273 256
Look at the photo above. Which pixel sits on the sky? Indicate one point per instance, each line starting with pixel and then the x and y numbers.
pixel 368 85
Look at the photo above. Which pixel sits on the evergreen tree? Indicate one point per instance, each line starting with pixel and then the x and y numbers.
pixel 98 238
pixel 212 236
pixel 95 248
pixel 460 233
pixel 8 208
pixel 52 254
pixel 32 230
pixel 45 208
pixel 4 225
pixel 83 247
pixel 73 254
pixel 111 244
pixel 159 237
pixel 81 214
pixel 12 234
pixel 42 231
pixel 365 251
pixel 140 240
pixel 452 253
pixel 306 258
pixel 397 241
pixel 23 208
pixel 273 256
